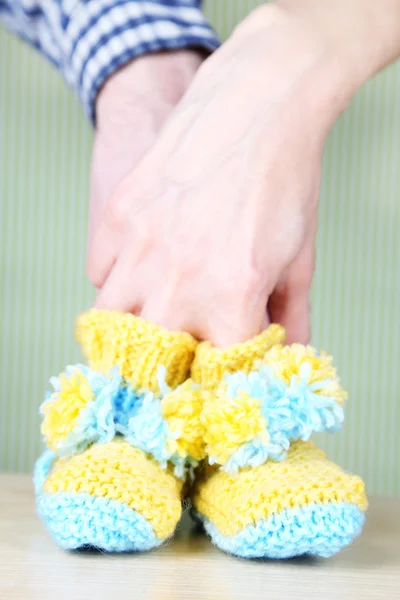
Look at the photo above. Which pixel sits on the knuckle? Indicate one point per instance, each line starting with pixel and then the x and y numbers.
pixel 250 288
pixel 115 211
pixel 244 297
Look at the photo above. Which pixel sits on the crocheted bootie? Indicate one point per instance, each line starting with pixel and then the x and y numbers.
pixel 267 491
pixel 122 434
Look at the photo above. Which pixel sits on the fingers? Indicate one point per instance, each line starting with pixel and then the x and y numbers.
pixel 102 255
pixel 230 316
pixel 290 307
pixel 171 313
pixel 107 241
pixel 120 291
pixel 289 303
pixel 225 334
pixel 220 316
pixel 237 318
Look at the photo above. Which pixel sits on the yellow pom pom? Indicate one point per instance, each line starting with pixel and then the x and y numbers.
pixel 231 422
pixel 63 408
pixel 182 409
pixel 286 361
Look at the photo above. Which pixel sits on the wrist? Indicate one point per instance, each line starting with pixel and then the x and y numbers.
pixel 335 47
pixel 307 71
pixel 358 38
pixel 152 82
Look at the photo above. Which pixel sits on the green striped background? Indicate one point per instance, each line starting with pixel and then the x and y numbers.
pixel 44 166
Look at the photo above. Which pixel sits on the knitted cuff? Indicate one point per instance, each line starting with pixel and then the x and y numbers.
pixel 103 36
pixel 130 394
pixel 211 364
pixel 137 347
pixel 254 414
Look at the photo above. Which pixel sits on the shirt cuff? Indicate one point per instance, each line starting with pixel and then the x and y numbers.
pixel 104 35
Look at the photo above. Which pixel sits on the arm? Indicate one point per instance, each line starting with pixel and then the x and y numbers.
pixel 89 40
pixel 354 39
pixel 214 232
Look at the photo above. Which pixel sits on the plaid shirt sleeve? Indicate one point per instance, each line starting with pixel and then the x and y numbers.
pixel 89 39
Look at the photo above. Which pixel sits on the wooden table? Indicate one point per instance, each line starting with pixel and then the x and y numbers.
pixel 33 567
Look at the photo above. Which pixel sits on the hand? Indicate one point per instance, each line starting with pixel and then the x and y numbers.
pixel 213 232
pixel 217 223
pixel 131 108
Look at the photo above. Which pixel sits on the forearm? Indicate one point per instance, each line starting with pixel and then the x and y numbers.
pixel 362 35
pixel 88 40
pixel 320 52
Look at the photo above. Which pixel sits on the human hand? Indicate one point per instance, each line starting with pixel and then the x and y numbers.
pixel 213 232
pixel 131 108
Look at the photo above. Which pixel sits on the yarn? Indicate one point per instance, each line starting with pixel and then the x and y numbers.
pixel 211 364
pixel 265 490
pixel 111 496
pixel 317 529
pixel 124 474
pixel 112 338
pixel 282 508
pixel 81 410
pixel 87 407
pixel 118 440
pixel 291 393
pixel 124 433
pixel 80 520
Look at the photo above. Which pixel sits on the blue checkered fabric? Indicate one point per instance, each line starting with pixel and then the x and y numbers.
pixel 88 40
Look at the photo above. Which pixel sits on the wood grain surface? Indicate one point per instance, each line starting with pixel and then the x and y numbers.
pixel 33 567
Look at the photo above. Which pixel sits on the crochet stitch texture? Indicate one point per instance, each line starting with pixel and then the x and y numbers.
pixel 124 433
pixel 265 489
pixel 120 439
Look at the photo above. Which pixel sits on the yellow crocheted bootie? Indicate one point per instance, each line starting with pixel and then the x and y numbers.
pixel 121 435
pixel 267 491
